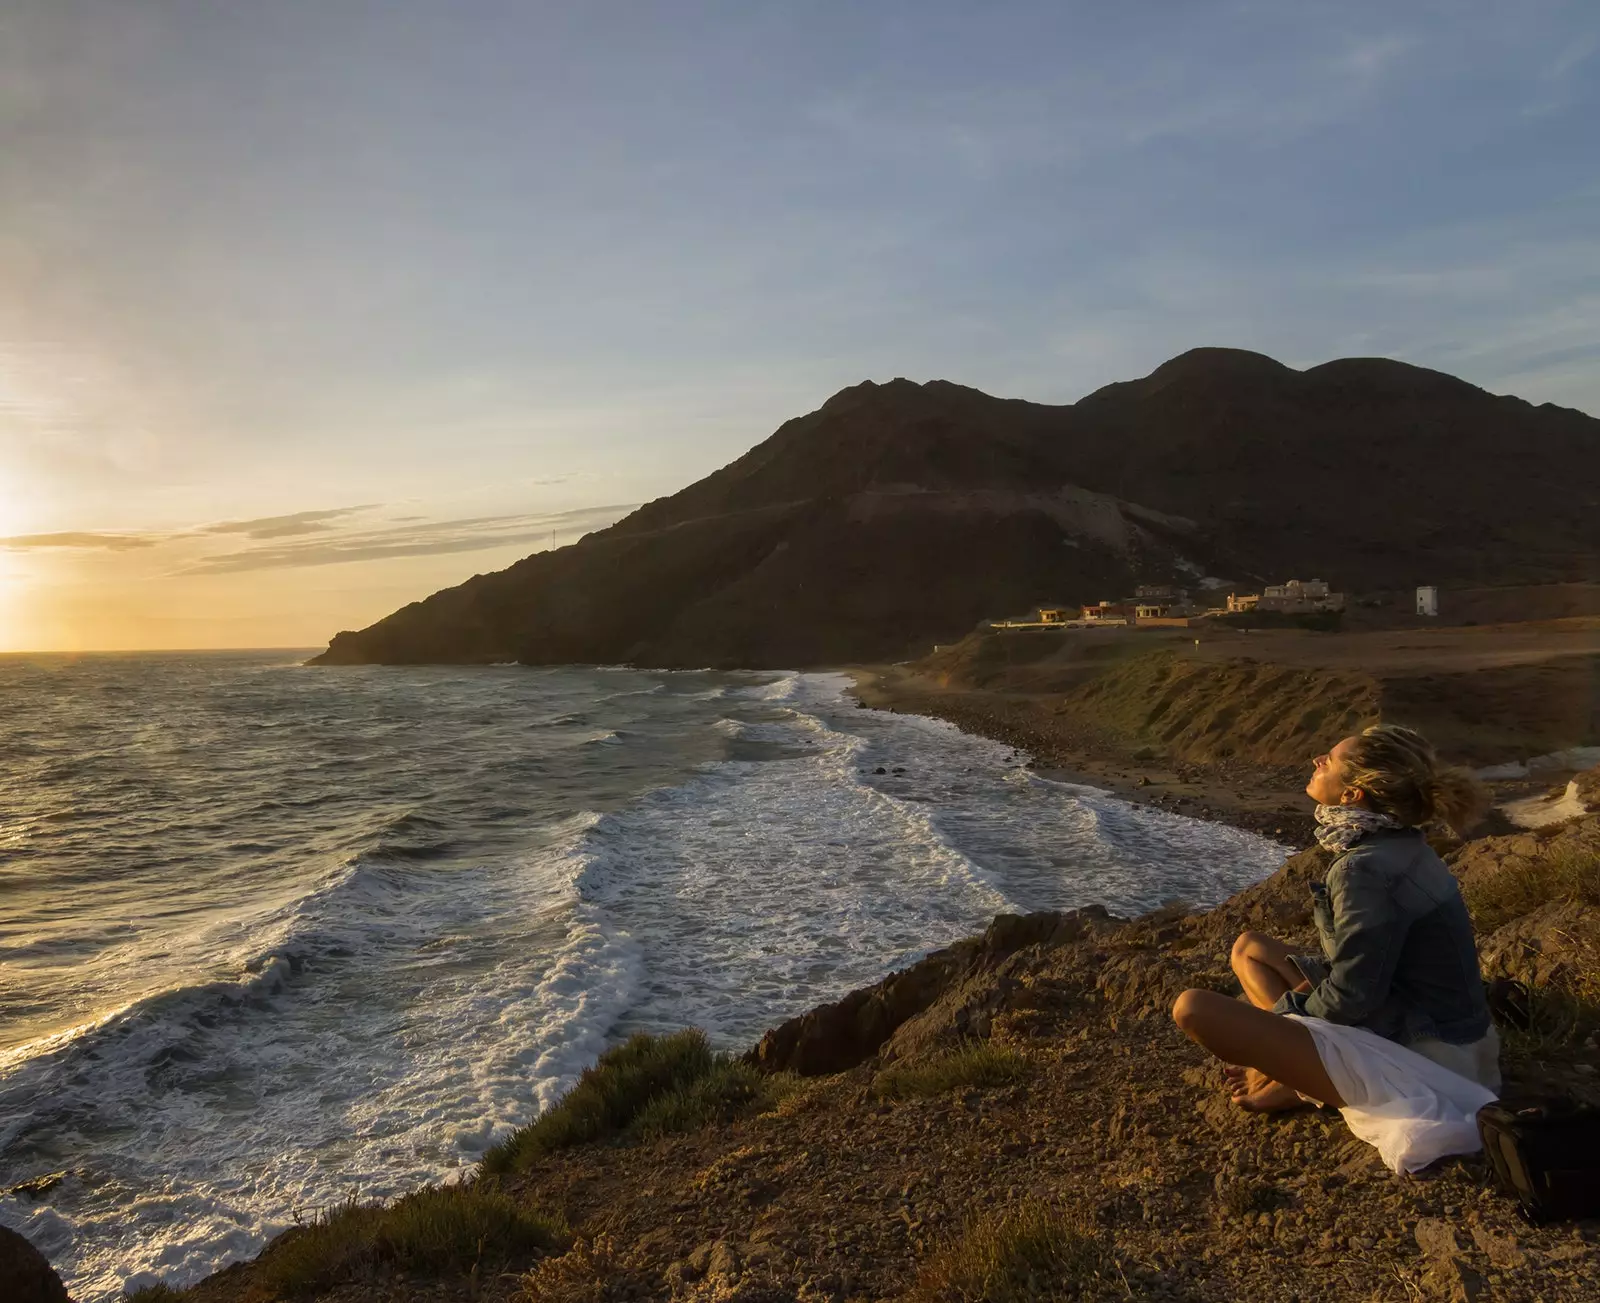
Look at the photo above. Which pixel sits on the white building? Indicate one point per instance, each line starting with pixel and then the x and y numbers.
pixel 1428 601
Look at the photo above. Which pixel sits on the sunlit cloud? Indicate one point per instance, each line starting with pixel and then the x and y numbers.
pixel 82 540
pixel 295 523
pixel 432 538
pixel 327 537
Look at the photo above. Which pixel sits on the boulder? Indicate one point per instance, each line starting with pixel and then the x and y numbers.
pixel 1556 946
pixel 26 1276
pixel 836 1037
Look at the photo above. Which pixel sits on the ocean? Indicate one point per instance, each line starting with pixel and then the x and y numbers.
pixel 272 937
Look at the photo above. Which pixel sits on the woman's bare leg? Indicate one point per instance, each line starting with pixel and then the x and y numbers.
pixel 1277 1047
pixel 1261 963
pixel 1263 967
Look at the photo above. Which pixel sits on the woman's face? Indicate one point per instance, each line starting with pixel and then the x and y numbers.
pixel 1327 785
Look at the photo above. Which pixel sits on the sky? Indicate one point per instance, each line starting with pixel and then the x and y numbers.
pixel 309 308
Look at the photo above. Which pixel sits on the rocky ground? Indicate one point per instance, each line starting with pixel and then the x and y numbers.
pixel 844 1192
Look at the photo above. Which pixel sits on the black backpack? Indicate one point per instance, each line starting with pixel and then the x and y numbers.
pixel 1545 1153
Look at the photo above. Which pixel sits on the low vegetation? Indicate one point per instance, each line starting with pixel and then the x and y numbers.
pixel 436 1229
pixel 649 1086
pixel 590 1272
pixel 1196 710
pixel 1558 1005
pixel 977 1065
pixel 1028 1254
pixel 1565 873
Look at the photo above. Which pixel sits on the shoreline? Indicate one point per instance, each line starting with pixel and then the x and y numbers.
pixel 1267 800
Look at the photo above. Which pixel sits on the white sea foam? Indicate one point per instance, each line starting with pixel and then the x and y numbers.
pixel 496 1033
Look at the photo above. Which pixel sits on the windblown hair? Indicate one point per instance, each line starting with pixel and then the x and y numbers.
pixel 1401 776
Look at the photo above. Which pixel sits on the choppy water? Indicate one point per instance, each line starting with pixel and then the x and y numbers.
pixel 270 936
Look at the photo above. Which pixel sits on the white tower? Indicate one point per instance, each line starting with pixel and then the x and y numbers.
pixel 1428 601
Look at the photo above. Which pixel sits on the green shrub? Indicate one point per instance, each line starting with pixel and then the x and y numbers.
pixel 154 1294
pixel 978 1064
pixel 647 1087
pixel 1030 1253
pixel 1566 873
pixel 727 1091
pixel 435 1229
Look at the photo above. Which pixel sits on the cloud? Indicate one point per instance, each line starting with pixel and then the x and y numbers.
pixel 295 523
pixel 432 538
pixel 86 540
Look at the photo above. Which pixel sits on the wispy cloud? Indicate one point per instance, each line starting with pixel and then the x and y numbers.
pixel 289 526
pixel 431 538
pixel 83 540
pixel 331 536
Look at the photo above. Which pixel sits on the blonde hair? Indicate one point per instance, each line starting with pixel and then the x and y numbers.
pixel 1397 771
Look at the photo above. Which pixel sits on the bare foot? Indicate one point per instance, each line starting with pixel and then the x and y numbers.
pixel 1259 1093
pixel 1274 1097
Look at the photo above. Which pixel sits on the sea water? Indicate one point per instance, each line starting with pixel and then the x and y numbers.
pixel 272 936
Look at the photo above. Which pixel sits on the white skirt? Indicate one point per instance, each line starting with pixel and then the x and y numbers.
pixel 1412 1109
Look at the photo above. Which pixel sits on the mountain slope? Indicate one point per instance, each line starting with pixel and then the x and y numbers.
pixel 898 515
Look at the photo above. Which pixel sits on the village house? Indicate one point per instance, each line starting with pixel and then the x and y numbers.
pixel 1108 613
pixel 1300 596
pixel 1296 597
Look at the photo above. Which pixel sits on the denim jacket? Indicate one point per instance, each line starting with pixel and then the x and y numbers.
pixel 1399 945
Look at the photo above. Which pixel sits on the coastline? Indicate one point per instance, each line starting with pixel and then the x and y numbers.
pixel 895 1148
pixel 843 1191
pixel 1263 799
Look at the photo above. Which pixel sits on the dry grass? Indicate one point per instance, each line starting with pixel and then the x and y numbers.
pixel 978 1065
pixel 1027 1254
pixel 650 1086
pixel 436 1229
pixel 1565 873
pixel 1564 1014
pixel 589 1272
pixel 154 1294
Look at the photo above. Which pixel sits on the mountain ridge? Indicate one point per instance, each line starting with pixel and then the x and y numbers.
pixel 898 514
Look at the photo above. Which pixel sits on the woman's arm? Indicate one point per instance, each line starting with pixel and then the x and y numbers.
pixel 1368 932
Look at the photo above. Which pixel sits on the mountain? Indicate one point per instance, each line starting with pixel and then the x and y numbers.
pixel 898 515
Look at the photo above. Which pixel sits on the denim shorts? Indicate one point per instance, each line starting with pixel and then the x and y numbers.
pixel 1314 968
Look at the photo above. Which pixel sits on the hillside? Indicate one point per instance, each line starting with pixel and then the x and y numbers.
pixel 899 515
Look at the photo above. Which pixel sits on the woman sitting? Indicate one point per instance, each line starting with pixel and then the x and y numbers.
pixel 1398 954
